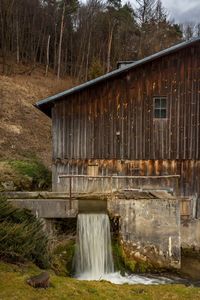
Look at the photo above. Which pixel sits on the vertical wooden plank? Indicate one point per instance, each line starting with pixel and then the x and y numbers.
pixel 54 132
pixel 59 110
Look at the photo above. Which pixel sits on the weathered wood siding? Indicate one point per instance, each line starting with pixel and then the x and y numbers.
pixel 114 119
pixel 188 184
pixel 112 125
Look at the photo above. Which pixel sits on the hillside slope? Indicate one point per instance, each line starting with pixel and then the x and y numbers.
pixel 24 130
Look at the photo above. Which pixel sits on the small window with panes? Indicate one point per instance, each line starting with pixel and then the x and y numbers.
pixel 160 107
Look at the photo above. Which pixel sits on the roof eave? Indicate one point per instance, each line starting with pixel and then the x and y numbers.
pixel 43 104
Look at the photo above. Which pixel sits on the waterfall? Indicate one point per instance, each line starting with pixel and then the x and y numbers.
pixel 93 256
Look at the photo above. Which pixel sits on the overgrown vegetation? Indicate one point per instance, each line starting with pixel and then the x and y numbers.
pixel 63 246
pixel 41 176
pixel 62 258
pixel 28 174
pixel 21 236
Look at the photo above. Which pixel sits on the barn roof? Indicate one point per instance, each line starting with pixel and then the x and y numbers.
pixel 46 104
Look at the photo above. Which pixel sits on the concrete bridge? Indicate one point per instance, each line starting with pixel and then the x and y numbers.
pixel 153 224
pixel 149 220
pixel 64 205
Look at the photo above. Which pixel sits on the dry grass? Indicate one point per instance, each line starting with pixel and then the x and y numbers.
pixel 23 129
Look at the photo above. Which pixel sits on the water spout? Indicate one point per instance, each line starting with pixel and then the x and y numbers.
pixel 93 256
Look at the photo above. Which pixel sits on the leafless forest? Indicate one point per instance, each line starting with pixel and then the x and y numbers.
pixel 84 39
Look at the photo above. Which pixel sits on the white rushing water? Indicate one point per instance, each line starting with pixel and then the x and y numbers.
pixel 93 256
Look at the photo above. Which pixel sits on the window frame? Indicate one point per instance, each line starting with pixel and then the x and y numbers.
pixel 160 108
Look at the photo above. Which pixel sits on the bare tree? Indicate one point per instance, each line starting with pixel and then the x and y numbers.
pixel 60 41
pixel 188 30
pixel 47 64
pixel 83 39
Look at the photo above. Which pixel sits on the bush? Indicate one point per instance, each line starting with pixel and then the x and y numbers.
pixel 40 175
pixel 95 70
pixel 21 236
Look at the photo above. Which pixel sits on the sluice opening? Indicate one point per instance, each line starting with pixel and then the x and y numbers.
pixel 92 206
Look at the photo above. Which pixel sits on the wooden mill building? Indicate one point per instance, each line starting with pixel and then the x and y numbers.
pixel 138 126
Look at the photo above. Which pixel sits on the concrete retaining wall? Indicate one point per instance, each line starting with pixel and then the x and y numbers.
pixel 149 221
pixel 149 230
pixel 190 234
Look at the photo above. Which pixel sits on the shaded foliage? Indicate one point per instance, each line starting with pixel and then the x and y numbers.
pixel 21 236
pixel 62 258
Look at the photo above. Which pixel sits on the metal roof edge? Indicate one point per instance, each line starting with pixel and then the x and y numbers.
pixel 114 73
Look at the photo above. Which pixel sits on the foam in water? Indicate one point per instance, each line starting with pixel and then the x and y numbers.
pixel 93 256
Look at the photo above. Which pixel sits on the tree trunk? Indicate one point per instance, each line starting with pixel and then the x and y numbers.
pixel 109 47
pixel 47 63
pixel 17 38
pixel 87 59
pixel 60 41
pixel 55 48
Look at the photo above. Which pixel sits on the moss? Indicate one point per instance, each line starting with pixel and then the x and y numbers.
pixel 125 263
pixel 144 267
pixel 119 262
pixel 130 264
pixel 62 258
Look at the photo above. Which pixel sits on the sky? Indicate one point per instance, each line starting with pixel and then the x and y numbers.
pixel 182 11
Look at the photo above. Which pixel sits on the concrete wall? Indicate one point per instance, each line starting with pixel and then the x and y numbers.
pixel 149 229
pixel 49 208
pixel 149 221
pixel 190 234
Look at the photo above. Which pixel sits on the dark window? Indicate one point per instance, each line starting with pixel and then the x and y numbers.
pixel 160 107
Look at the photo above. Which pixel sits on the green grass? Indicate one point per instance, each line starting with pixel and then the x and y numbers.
pixel 41 176
pixel 13 286
pixel 24 175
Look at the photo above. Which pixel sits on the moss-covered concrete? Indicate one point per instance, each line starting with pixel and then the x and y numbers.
pixel 124 262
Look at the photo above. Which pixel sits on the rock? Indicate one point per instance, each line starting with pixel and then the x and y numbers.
pixel 39 281
pixel 137 254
